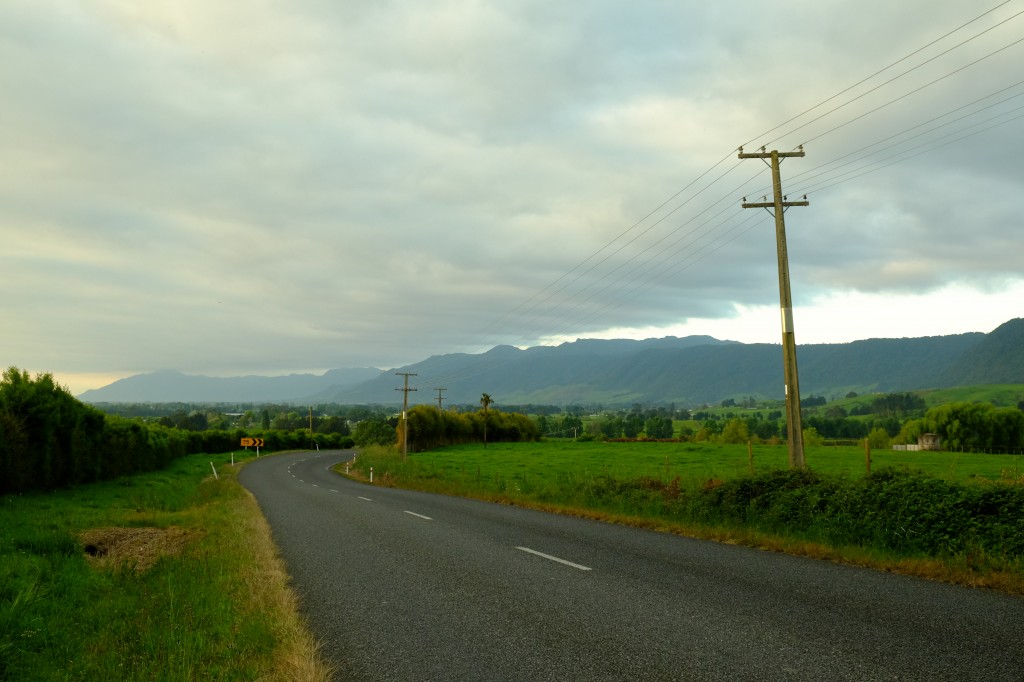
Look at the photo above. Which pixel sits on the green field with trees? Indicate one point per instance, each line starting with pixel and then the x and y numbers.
pixel 74 476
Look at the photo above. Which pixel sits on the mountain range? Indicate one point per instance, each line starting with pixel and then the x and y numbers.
pixel 692 370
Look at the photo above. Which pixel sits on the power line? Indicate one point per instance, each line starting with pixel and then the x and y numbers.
pixel 912 92
pixel 574 294
pixel 868 78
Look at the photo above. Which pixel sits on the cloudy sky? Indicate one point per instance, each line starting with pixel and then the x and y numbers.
pixel 301 185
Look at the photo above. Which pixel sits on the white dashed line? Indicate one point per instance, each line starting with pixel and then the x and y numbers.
pixel 365 498
pixel 333 490
pixel 553 558
pixel 419 516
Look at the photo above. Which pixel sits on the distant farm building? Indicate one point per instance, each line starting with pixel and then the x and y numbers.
pixel 927 441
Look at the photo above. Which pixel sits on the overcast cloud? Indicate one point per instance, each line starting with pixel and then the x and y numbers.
pixel 312 184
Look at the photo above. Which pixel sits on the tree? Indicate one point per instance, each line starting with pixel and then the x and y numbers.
pixel 611 427
pixel 486 401
pixel 374 432
pixel 632 425
pixel 812 437
pixel 835 412
pixel 878 439
pixel 337 425
pixel 570 425
pixel 658 427
pixel 976 426
pixel 735 432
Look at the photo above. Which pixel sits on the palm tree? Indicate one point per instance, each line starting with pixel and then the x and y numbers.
pixel 486 401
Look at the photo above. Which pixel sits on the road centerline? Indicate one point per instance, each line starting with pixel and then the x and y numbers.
pixel 420 516
pixel 554 558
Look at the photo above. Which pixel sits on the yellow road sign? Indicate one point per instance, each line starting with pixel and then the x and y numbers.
pixel 250 442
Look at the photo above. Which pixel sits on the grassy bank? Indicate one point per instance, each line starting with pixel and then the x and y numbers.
pixel 957 517
pixel 170 575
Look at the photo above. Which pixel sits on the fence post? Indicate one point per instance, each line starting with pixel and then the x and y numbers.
pixel 215 476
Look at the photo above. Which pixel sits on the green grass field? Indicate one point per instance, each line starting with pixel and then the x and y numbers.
pixel 184 585
pixel 689 461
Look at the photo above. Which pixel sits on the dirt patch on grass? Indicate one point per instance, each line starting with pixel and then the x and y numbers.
pixel 137 548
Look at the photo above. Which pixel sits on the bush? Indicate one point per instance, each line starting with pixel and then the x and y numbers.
pixel 909 512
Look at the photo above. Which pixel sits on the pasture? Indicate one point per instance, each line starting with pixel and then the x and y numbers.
pixel 166 575
pixel 691 462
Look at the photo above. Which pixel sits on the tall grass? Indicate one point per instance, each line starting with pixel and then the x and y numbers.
pixel 213 607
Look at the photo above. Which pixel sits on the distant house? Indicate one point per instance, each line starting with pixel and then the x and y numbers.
pixel 926 441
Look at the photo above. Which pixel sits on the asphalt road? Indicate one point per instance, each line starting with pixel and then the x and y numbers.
pixel 401 585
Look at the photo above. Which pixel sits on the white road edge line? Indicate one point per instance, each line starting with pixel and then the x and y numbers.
pixel 554 558
pixel 419 516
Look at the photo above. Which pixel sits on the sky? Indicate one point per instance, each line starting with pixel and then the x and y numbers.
pixel 302 185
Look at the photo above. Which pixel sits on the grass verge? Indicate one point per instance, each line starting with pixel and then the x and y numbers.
pixel 959 527
pixel 171 575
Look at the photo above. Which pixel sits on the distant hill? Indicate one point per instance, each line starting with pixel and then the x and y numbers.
pixel 687 371
pixel 169 386
pixel 998 358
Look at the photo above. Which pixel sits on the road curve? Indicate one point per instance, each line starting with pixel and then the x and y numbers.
pixel 400 585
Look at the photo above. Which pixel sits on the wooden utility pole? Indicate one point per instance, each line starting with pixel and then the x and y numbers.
pixel 440 407
pixel 405 411
pixel 778 206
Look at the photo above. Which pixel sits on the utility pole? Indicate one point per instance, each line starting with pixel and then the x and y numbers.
pixel 440 408
pixel 405 410
pixel 779 204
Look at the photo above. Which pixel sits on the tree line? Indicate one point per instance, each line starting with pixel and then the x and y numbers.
pixel 49 439
pixel 896 418
pixel 969 427
pixel 430 427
